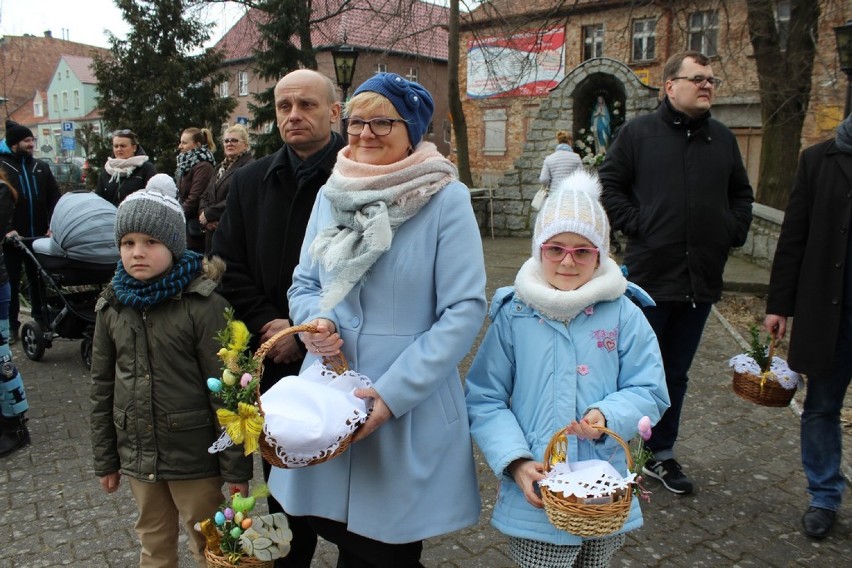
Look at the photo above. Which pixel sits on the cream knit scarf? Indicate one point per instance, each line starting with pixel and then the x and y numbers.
pixel 368 204
pixel 608 283
pixel 118 168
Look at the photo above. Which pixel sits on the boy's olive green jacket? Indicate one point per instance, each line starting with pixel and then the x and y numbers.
pixel 153 417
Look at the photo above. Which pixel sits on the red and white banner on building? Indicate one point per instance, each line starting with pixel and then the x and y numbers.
pixel 527 63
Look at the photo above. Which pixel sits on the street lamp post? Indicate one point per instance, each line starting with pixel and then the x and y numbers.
pixel 344 58
pixel 844 53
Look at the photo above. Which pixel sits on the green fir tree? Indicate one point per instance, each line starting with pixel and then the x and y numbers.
pixel 160 80
pixel 275 55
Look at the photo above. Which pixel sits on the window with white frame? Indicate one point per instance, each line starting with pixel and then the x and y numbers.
pixel 381 67
pixel 76 98
pixel 38 107
pixel 494 121
pixel 644 39
pixel 782 22
pixel 242 83
pixel 223 89
pixel 64 100
pixel 593 41
pixel 55 103
pixel 412 74
pixel 703 29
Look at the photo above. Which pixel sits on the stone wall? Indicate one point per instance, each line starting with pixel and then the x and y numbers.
pixel 762 236
pixel 570 101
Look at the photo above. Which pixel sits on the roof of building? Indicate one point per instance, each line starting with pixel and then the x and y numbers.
pixel 82 67
pixel 417 29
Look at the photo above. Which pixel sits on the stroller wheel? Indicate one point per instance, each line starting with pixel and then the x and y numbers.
pixel 32 340
pixel 86 352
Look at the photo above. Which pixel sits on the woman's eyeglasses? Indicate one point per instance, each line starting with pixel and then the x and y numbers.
pixel 124 132
pixel 580 255
pixel 378 126
pixel 701 81
pixel 231 141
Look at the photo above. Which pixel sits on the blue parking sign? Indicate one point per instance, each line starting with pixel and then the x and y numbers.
pixel 67 127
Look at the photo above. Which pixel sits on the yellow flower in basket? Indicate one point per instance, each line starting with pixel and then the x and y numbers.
pixel 241 419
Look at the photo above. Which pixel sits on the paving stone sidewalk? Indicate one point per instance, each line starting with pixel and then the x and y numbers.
pixel 743 458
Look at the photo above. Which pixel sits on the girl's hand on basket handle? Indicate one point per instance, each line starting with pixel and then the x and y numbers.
pixel 585 428
pixel 775 325
pixel 526 474
pixel 325 342
pixel 378 416
pixel 110 481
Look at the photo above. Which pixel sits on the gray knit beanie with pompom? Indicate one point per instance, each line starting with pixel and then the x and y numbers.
pixel 154 211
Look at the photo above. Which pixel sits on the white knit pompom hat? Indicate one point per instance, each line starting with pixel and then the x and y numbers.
pixel 574 207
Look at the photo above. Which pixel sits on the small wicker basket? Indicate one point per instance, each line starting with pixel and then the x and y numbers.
pixel 219 561
pixel 580 518
pixel 336 363
pixel 762 390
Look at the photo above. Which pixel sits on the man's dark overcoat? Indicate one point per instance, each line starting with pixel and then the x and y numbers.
pixel 810 261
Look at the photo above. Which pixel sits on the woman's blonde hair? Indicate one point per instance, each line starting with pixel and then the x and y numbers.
pixel 201 136
pixel 369 101
pixel 241 131
pixel 564 137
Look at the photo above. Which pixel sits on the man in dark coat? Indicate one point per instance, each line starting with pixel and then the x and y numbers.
pixel 38 194
pixel 811 281
pixel 260 235
pixel 675 185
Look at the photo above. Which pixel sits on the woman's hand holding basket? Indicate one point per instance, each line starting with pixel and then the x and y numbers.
pixel 324 341
pixel 378 415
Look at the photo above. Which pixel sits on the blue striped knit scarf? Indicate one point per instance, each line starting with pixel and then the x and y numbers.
pixel 140 295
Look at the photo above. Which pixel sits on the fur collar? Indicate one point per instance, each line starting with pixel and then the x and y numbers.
pixel 608 283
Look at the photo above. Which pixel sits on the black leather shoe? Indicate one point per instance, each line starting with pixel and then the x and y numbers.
pixel 818 522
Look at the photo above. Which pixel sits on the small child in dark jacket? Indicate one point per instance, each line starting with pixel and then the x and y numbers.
pixel 153 417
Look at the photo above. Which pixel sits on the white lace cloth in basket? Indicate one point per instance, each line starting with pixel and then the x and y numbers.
pixel 588 479
pixel 306 417
pixel 778 370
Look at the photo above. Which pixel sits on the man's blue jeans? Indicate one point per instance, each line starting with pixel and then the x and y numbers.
pixel 820 429
pixel 679 326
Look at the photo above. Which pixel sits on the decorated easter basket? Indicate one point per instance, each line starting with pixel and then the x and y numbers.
pixel 220 561
pixel 575 517
pixel 764 386
pixel 270 452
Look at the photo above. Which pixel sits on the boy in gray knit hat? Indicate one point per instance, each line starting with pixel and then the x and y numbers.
pixel 153 417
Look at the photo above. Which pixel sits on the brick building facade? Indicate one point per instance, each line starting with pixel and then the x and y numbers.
pixel 610 47
pixel 409 40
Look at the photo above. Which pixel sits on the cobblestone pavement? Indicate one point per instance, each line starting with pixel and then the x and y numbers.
pixel 743 458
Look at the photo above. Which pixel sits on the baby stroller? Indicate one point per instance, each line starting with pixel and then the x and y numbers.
pixel 73 264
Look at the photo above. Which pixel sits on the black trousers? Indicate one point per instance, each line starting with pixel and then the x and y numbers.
pixel 16 262
pixel 356 551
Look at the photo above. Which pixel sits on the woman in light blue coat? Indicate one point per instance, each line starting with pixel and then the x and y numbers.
pixel 566 348
pixel 392 272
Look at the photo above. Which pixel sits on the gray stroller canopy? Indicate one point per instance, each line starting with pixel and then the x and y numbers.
pixel 82 228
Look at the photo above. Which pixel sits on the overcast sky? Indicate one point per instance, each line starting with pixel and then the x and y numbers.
pixel 84 21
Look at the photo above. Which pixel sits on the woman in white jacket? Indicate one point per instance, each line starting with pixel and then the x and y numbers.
pixel 566 348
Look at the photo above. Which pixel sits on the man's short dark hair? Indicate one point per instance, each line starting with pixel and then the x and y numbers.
pixel 675 62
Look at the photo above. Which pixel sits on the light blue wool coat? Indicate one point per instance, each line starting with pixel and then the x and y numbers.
pixel 533 375
pixel 406 326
